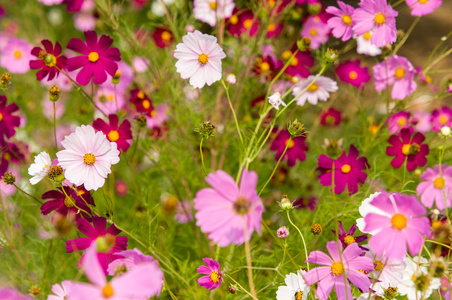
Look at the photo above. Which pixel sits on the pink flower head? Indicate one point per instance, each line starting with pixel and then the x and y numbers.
pixel 109 99
pixel 401 226
pixel 396 70
pixel 142 282
pixel 162 37
pixel 378 16
pixel 404 147
pixel 50 60
pixel 183 212
pixel 11 294
pixel 351 72
pixel 398 121
pixel 16 55
pixel 227 212
pixel 60 291
pixel 51 2
pixel 318 91
pixel 267 66
pixel 73 5
pixel 296 148
pixel 421 122
pixel 242 22
pixel 274 30
pixel 341 22
pixel 157 117
pixel 348 171
pixel 423 7
pixel 142 102
pixel 209 11
pixel 282 232
pixel 436 187
pixel 331 117
pixel 84 20
pixel 199 58
pixel 58 201
pixel 440 118
pixel 348 262
pixel 299 64
pixel 121 134
pixel 97 233
pixel 214 276
pixel 10 153
pixel 7 120
pixel 87 157
pixel 316 30
pixel 306 202
pixel 97 59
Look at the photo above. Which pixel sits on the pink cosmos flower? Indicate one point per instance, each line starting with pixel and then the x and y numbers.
pixel 138 283
pixel 87 157
pixel 109 100
pixel 97 233
pixel 226 210
pixel 57 201
pixel 10 153
pixel 97 59
pixel 282 232
pixel 183 212
pixel 299 64
pixel 122 79
pixel 423 7
pixel 396 70
pixel 51 2
pixel 348 238
pixel 440 118
pixel 378 16
pixel 214 276
pixel 331 274
pixel 341 22
pixel 50 60
pixel 421 122
pixel 318 91
pixel 403 225
pixel 157 117
pixel 436 187
pixel 404 147
pixel 199 58
pixel 331 117
pixel 7 120
pixel 316 30
pixel 398 121
pixel 11 294
pixel 209 11
pixel 351 72
pixel 121 134
pixel 73 5
pixel 16 55
pixel 140 64
pixel 296 149
pixel 84 21
pixel 348 171
pixel 60 291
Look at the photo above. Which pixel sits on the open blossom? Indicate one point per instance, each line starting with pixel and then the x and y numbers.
pixel 157 117
pixel 199 58
pixel 398 121
pixel 275 100
pixel 331 117
pixel 227 212
pixel 162 37
pixel 115 132
pixel 316 30
pixel 378 16
pixel 16 55
pixel 50 61
pixel 296 147
pixel 436 187
pixel 423 7
pixel 318 91
pixel 404 225
pixel 295 288
pixel 348 262
pixel 87 157
pixel 366 208
pixel 441 117
pixel 348 238
pixel 209 11
pixel 242 22
pixel 8 121
pixel 213 277
pixel 60 291
pixel 299 64
pixel 421 121
pixel 65 200
pixel 341 22
pixel 40 168
pixel 351 72
pixel 364 46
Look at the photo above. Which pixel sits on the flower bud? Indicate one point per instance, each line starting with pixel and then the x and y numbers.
pixel 391 292
pixel 316 228
pixel 54 93
pixel 232 290
pixel 5 80
pixel 206 129
pixel 56 173
pixel 9 178
pixel 141 120
pixel 285 203
pixel 446 131
pixel 330 56
pixel 282 232
pixel 295 128
pixel 231 79
pixel 116 77
pixel 314 8
pixel 304 43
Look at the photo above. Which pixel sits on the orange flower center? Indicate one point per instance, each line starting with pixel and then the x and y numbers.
pixel 401 121
pixel 438 183
pixel 423 1
pixel 248 23
pixel 153 113
pixel 69 202
pixel 146 104
pixel 1 117
pixel 349 239
pixel 353 75
pixel 93 56
pixel 17 54
pixel 242 205
pixel 107 291
pixel 271 27
pixel 406 149
pixel 346 169
pixel 286 54
pixel 399 73
pixel 213 5
pixel 140 95
pixel 203 58
pixel 398 221
pixel 7 156
pixel 367 36
pixel 443 120
pixel 313 32
pixel 234 20
pixel 113 136
pixel 166 36
pixel 378 265
pixel 214 277
pixel 298 295
pixel 265 66
pixel 337 268
pixel 89 159
pixel 347 20
pixel 294 62
pixel 290 143
pixel 314 87
pixel 380 19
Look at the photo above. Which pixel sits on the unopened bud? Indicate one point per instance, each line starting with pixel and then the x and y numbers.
pixel 304 43
pixel 295 128
pixel 116 77
pixel 314 8
pixel 232 290
pixel 9 178
pixel 5 80
pixel 54 93
pixel 206 129
pixel 56 174
pixel 446 131
pixel 231 79
pixel 391 292
pixel 330 55
pixel 285 203
pixel 316 228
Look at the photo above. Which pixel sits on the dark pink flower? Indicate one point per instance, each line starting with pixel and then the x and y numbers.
pixel 49 60
pixel 351 72
pixel 7 120
pixel 142 102
pixel 64 205
pixel 214 276
pixel 330 118
pixel 398 121
pixel 404 147
pixel 306 202
pixel 121 134
pixel 97 59
pixel 296 147
pixel 10 153
pixel 274 30
pixel 348 171
pixel 242 22
pixel 73 5
pixel 347 238
pixel 441 117
pixel 162 37
pixel 299 64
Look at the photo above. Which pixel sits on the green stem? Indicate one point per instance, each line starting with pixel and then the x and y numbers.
pixel 248 260
pixel 202 157
pixel 24 192
pixel 232 109
pixel 54 125
pixel 302 238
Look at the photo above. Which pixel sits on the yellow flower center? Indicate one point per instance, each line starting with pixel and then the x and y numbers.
pixel 406 149
pixel 290 143
pixel 313 32
pixel 153 113
pixel 203 58
pixel 234 20
pixel 265 66
pixel 399 73
pixel 89 159
pixel 146 104
pixel 110 98
pixel 107 291
pixel 353 75
pixel 1 117
pixel 7 156
pixel 242 205
pixel 436 224
pixel 213 5
pixel 17 54
pixel 50 60
pixel 337 268
pixel 298 295
pixel 314 87
pixel 398 221
pixel 349 239
pixel 367 36
pixel 113 136
pixel 140 95
pixel 347 20
pixel 428 79
pixel 214 277
pixel 93 56
pixel 443 119
pixel 271 27
pixel 69 202
pixel 294 62
pixel 346 169
pixel 401 121
pixel 439 183
pixel 248 23
pixel 166 36
pixel 378 265
pixel 272 3
pixel 286 54
pixel 380 19
pixel 423 1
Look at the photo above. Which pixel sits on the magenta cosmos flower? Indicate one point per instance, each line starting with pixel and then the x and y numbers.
pixel 242 22
pixel 16 55
pixel 7 120
pixel 341 22
pixel 348 171
pixel 398 121
pixel 199 58
pixel 58 201
pixel 98 233
pixel 423 7
pixel 402 225
pixel 296 147
pixel 404 147
pixel 50 61
pixel 121 134
pixel 396 71
pixel 97 59
pixel 316 30
pixel 348 238
pixel 347 262
pixel 440 118
pixel 162 37
pixel 331 117
pixel 378 16
pixel 299 64
pixel 351 72
pixel 214 276
pixel 226 210
pixel 209 11
pixel 436 187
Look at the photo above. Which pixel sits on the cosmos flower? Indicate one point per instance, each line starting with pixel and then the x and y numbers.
pixel 266 66
pixel 65 200
pixel 306 202
pixel 436 187
pixel 142 102
pixel 213 277
pixel 275 100
pixel 109 99
pixel 209 11
pixel 8 121
pixel 441 117
pixel 242 22
pixel 226 210
pixel 341 22
pixel 51 2
pixel 318 91
pixel 84 20
pixel 121 134
pixel 162 37
pixel 421 121
pixel 296 147
pixel 398 121
pixel 50 60
pixel 331 117
pixel 364 46
pixel 87 157
pixel 199 58
pixel 317 31
pixel 402 226
pixel 183 212
pixel 73 5
pixel 423 7
pixel 157 117
pixel 11 294
pixel 40 168
pixel 295 288
pixel 351 72
pixel 16 55
pixel 347 238
pixel 299 64
pixel 60 291
pixel 97 59
pixel 10 153
pixel 282 232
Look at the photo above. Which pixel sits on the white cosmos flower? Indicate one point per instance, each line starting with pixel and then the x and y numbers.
pixel 199 58
pixel 294 288
pixel 87 157
pixel 364 46
pixel 275 100
pixel 209 10
pixel 40 168
pixel 318 91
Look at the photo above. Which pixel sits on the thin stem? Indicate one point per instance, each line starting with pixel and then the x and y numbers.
pixel 238 284
pixel 248 261
pixel 232 109
pixel 407 34
pixel 54 125
pixel 24 192
pixel 302 238
pixel 202 157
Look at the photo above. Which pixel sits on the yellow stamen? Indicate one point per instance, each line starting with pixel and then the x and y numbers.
pixel 93 56
pixel 294 62
pixel 140 95
pixel 1 117
pixel 298 295
pixel 248 23
pixel 213 5
pixel 290 144
pixel 443 119
pixel 203 58
pixel 146 104
pixel 313 32
pixel 110 98
pixel 113 136
pixel 214 277
pixel 406 149
pixel 380 19
pixel 398 221
pixel 346 169
pixel 439 183
pixel 337 268
pixel 353 75
pixel 234 20
pixel 153 113
pixel 69 202
pixel 271 27
pixel 314 87
pixel 399 73
pixel 349 239
pixel 347 20
pixel 166 36
pixel 379 265
pixel 107 291
pixel 265 66
pixel 89 159
pixel 367 36
pixel 286 54
pixel 17 54
pixel 401 121
pixel 423 1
